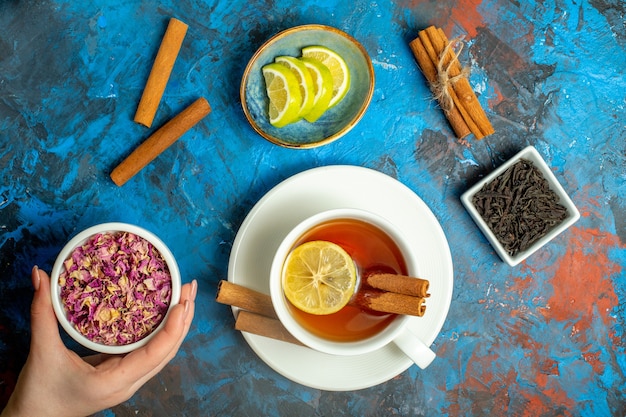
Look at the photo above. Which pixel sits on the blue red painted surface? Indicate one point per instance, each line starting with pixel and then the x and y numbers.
pixel 544 338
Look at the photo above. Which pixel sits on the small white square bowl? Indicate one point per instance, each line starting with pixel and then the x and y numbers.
pixel 530 154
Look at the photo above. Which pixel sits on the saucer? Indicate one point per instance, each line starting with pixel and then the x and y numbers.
pixel 324 188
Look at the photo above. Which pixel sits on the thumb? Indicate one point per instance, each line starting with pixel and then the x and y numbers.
pixel 44 327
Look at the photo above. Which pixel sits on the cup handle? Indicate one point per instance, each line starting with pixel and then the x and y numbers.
pixel 414 348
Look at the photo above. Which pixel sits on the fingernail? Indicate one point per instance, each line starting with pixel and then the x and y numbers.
pixel 186 310
pixel 35 278
pixel 194 289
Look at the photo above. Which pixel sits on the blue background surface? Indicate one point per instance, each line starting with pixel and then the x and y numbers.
pixel 546 337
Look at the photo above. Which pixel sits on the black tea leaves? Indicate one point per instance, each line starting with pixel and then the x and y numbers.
pixel 519 206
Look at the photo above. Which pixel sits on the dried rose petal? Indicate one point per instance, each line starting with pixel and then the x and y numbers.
pixel 115 288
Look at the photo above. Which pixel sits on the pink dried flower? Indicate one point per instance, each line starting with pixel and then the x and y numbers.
pixel 115 288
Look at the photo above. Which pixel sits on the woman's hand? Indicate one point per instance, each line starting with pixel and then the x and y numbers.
pixel 55 381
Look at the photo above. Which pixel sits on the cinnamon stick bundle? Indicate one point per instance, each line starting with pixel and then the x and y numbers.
pixel 160 72
pixel 446 77
pixel 257 315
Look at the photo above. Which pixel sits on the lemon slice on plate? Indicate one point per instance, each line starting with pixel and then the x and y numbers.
pixel 338 69
pixel 322 88
pixel 305 81
pixel 283 91
pixel 319 277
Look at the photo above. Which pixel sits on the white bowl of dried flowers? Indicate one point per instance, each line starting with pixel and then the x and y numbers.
pixel 113 285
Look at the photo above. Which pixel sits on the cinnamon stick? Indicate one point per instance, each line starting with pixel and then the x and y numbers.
pixel 245 298
pixel 263 326
pixel 456 120
pixel 160 141
pixel 433 55
pixel 401 284
pixel 160 73
pixel 389 302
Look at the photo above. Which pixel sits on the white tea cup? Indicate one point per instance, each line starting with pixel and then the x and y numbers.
pixel 397 332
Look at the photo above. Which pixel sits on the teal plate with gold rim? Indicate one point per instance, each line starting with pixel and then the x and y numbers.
pixel 336 121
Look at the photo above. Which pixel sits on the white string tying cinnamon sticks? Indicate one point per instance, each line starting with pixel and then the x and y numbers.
pixel 444 81
pixel 449 82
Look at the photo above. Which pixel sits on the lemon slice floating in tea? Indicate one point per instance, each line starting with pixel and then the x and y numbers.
pixel 283 90
pixel 319 277
pixel 338 69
